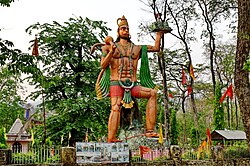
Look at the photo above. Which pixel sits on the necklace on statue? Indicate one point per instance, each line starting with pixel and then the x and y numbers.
pixel 125 47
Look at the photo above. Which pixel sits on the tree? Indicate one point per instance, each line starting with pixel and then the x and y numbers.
pixel 224 67
pixel 242 82
pixel 212 11
pixel 10 71
pixel 6 2
pixel 179 15
pixel 174 128
pixel 224 60
pixel 218 111
pixel 10 102
pixel 3 144
pixel 66 81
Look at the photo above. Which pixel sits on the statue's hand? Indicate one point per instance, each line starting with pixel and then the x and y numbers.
pixel 112 47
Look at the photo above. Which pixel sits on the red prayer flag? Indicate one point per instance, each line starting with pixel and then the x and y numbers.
pixel 170 95
pixel 209 138
pixel 184 81
pixel 35 48
pixel 229 92
pixel 189 89
pixel 144 150
pixel 191 70
pixel 223 97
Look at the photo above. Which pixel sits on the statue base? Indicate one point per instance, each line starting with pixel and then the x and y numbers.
pixel 136 138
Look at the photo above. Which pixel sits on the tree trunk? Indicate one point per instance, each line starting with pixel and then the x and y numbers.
pixel 242 85
pixel 195 111
pixel 236 114
pixel 162 67
pixel 166 108
pixel 228 115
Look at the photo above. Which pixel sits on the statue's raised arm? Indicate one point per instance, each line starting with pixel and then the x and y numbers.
pixel 156 47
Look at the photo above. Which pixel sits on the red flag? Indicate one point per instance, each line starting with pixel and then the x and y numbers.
pixel 143 150
pixel 191 70
pixel 229 92
pixel 189 89
pixel 184 81
pixel 223 97
pixel 35 48
pixel 209 138
pixel 170 95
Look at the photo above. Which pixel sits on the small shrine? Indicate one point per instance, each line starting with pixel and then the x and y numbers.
pixel 17 138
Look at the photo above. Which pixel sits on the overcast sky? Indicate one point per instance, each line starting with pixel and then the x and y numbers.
pixel 23 13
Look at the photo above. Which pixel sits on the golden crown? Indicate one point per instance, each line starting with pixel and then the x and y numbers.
pixel 122 21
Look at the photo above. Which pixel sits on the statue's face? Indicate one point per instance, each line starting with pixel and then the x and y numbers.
pixel 124 32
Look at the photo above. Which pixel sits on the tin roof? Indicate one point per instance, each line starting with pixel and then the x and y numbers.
pixel 228 135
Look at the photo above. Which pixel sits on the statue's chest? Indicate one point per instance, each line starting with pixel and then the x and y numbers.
pixel 126 54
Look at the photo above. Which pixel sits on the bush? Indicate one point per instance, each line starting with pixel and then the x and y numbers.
pixel 237 150
pixel 3 146
pixel 23 158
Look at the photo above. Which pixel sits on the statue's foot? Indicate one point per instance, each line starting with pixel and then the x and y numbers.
pixel 151 134
pixel 114 140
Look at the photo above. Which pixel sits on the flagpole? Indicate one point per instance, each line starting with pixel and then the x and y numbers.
pixel 36 53
pixel 43 110
pixel 44 116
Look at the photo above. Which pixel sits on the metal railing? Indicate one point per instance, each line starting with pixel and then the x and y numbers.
pixel 38 155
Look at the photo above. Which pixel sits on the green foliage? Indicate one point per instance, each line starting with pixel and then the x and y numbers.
pixel 162 158
pixel 24 157
pixel 218 115
pixel 13 59
pixel 247 64
pixel 38 155
pixel 10 101
pixel 174 127
pixel 194 137
pixel 193 155
pixel 3 144
pixel 237 150
pixel 225 60
pixel 53 159
pixel 68 79
pixel 6 2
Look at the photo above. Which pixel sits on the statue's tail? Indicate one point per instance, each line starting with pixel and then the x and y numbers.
pixel 93 48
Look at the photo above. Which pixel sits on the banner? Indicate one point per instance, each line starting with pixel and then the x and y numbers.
pixel 229 93
pixel 35 48
pixel 96 152
pixel 192 71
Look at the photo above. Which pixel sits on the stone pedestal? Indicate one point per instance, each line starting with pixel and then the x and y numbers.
pixel 68 156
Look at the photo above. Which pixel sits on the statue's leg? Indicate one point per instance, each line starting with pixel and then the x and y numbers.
pixel 151 108
pixel 114 118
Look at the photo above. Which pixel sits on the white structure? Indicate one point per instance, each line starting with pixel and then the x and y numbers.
pixel 15 142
